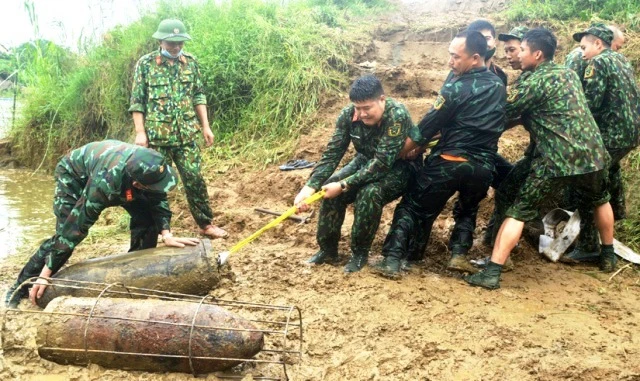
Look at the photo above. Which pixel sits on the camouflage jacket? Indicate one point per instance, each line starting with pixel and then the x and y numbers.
pixel 469 112
pixel 97 171
pixel 167 95
pixel 555 112
pixel 380 145
pixel 612 93
pixel 575 62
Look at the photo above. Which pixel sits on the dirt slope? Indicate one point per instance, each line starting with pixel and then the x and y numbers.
pixel 548 322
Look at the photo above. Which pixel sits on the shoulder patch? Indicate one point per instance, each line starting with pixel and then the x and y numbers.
pixel 394 130
pixel 513 95
pixel 439 102
pixel 589 72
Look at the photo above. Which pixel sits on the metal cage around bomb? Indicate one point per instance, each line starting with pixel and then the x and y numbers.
pixel 280 328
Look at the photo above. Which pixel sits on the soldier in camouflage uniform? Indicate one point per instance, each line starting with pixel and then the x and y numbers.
pixel 508 189
pixel 577 63
pixel 469 113
pixel 377 126
pixel 167 101
pixel 90 179
pixel 502 165
pixel 571 151
pixel 613 97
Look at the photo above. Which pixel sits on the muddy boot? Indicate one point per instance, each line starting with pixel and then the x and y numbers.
pixel 322 257
pixel 389 267
pixel 488 278
pixel 608 259
pixel 459 262
pixel 356 262
pixel 581 256
pixel 482 264
pixel 20 294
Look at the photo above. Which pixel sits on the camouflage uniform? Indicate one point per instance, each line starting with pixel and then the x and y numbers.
pixel 469 112
pixel 575 62
pixel 508 189
pixel 374 177
pixel 167 95
pixel 614 100
pixel 571 151
pixel 88 180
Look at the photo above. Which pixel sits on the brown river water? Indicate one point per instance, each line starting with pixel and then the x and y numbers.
pixel 26 214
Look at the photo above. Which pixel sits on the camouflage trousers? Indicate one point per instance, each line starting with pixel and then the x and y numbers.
pixel 507 193
pixel 368 201
pixel 590 189
pixel 438 181
pixel 188 162
pixel 588 240
pixel 55 251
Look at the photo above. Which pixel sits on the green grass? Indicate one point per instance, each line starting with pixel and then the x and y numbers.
pixel 625 12
pixel 266 67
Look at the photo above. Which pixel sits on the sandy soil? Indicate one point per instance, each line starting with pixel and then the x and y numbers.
pixel 547 322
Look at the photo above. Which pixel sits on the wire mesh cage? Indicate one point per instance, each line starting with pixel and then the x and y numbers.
pixel 132 328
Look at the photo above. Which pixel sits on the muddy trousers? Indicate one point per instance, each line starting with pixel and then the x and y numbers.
pixel 413 218
pixel 368 199
pixel 502 169
pixel 589 239
pixel 144 235
pixel 187 160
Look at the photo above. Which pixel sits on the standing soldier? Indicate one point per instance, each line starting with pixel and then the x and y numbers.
pixel 90 179
pixel 571 151
pixel 377 126
pixel 167 101
pixel 469 113
pixel 575 60
pixel 614 100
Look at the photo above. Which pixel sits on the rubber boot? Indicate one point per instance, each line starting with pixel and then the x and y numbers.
pixel 21 294
pixel 579 255
pixel 389 267
pixel 322 257
pixel 608 259
pixel 356 262
pixel 488 278
pixel 459 262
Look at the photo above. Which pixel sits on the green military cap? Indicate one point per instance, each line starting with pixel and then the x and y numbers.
pixel 599 30
pixel 516 33
pixel 149 168
pixel 171 30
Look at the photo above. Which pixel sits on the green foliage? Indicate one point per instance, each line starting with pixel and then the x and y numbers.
pixel 265 67
pixel 621 11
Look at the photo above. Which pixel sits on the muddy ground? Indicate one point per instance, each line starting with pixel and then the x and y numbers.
pixel 547 322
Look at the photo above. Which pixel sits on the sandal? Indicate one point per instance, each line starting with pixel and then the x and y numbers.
pixel 213 232
pixel 296 164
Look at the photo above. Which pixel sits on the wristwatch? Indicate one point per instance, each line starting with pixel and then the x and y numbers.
pixel 343 186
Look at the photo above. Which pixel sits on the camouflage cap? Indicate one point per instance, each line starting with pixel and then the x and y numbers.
pixel 149 168
pixel 171 30
pixel 599 30
pixel 516 33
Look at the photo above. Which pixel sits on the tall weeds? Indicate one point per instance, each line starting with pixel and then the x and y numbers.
pixel 265 67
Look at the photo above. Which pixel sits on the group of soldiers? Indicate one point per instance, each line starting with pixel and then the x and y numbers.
pixel 583 118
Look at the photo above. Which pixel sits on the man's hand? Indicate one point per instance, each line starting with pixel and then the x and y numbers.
pixel 304 193
pixel 409 145
pixel 332 190
pixel 141 139
pixel 208 136
pixel 172 241
pixel 37 290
